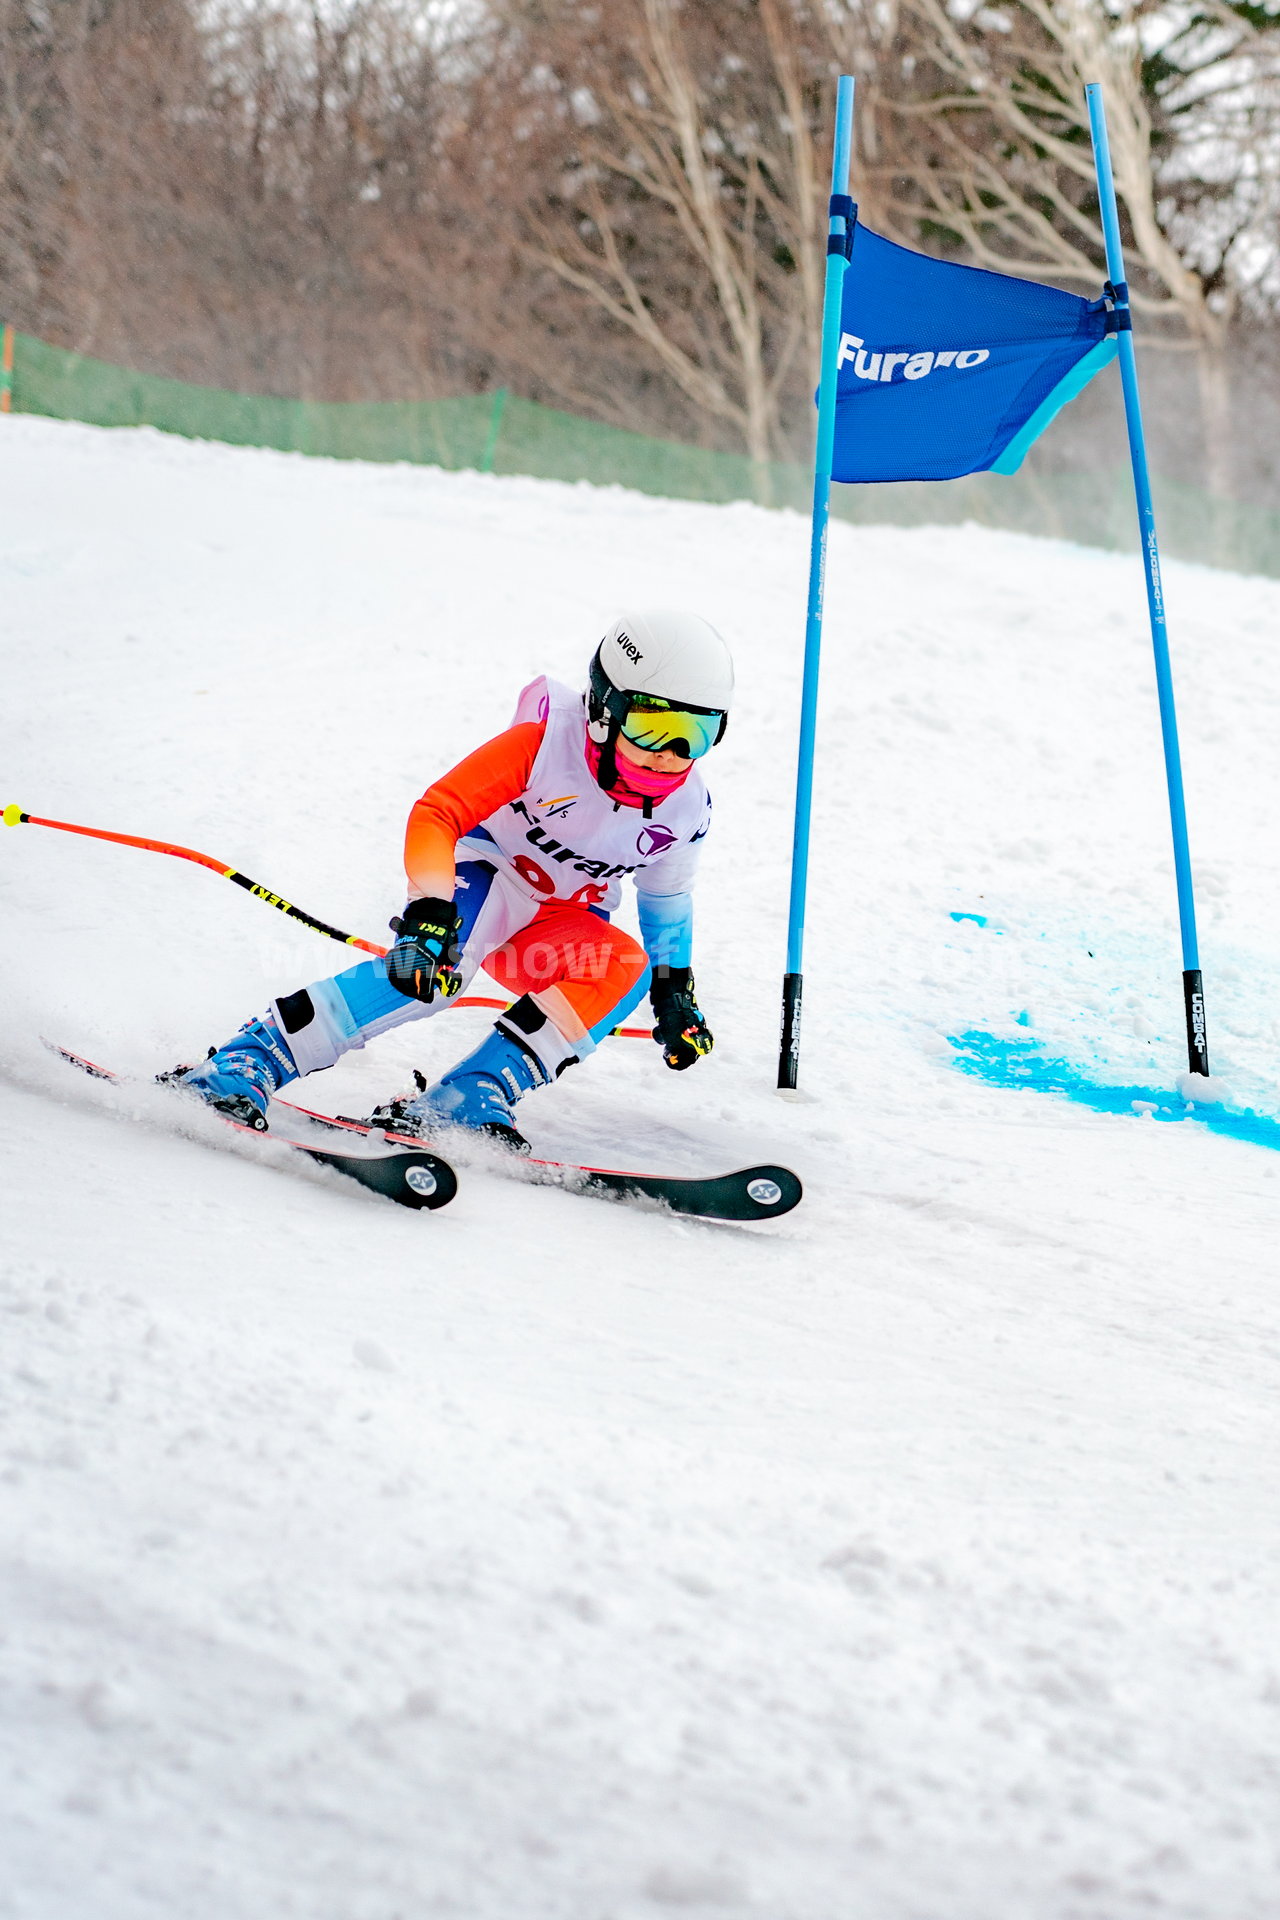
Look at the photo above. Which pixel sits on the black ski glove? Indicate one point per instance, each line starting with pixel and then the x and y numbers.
pixel 681 1031
pixel 424 959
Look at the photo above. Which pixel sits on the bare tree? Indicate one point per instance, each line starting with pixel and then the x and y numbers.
pixel 616 206
pixel 208 191
pixel 672 184
pixel 992 155
pixel 42 50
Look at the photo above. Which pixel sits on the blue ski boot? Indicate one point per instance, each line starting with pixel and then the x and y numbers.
pixel 240 1076
pixel 480 1093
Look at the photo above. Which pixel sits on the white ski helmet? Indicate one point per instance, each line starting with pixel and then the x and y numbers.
pixel 671 659
pixel 677 657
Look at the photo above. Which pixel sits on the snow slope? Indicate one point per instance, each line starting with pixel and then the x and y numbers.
pixel 913 1559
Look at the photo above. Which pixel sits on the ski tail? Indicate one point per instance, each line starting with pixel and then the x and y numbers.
pixel 409 1174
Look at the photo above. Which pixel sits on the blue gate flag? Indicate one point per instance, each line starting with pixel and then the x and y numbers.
pixel 946 369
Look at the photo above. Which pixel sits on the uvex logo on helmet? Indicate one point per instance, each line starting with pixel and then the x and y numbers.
pixel 915 366
pixel 630 648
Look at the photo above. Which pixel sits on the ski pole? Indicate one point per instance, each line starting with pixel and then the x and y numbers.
pixel 13 816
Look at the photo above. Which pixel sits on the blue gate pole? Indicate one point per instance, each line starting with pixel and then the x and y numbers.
pixel 840 224
pixel 1192 986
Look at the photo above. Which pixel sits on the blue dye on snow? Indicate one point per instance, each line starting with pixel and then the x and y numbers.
pixel 1019 1063
pixel 978 919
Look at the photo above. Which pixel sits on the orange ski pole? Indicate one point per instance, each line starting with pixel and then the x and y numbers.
pixel 13 816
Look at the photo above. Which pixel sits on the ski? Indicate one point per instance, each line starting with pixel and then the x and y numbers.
pixel 751 1193
pixel 399 1167
pixel 403 1171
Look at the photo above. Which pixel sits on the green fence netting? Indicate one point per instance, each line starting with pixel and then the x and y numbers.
pixel 500 433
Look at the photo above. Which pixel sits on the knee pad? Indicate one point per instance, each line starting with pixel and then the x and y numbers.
pixel 316 1024
pixel 529 1027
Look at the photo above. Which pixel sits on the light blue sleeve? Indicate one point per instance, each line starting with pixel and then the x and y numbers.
pixel 666 927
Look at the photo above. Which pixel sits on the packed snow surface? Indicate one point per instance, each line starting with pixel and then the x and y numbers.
pixel 913 1558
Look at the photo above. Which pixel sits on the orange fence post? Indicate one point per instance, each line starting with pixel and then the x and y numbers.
pixel 6 372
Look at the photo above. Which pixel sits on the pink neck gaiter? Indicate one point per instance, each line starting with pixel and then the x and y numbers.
pixel 634 785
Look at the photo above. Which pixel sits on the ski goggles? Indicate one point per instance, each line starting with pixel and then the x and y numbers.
pixel 655 727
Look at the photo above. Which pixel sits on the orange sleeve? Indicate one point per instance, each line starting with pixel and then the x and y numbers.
pixel 487 779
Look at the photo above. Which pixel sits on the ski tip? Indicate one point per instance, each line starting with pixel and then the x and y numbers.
pixel 431 1181
pixel 752 1193
pixel 417 1180
pixel 769 1191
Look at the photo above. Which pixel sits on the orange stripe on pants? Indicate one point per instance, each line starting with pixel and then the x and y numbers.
pixel 593 963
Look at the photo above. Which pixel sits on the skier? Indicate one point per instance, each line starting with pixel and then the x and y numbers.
pixel 514 862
